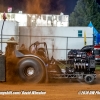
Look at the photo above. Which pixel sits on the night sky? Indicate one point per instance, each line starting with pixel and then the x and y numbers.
pixel 98 1
pixel 55 7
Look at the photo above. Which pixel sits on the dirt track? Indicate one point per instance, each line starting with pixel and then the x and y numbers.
pixel 60 90
pixel 54 91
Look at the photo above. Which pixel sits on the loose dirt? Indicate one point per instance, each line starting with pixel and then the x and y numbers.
pixel 60 90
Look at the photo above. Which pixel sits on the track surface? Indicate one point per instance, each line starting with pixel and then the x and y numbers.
pixel 59 90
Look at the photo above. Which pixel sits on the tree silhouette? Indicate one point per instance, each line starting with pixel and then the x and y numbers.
pixel 84 12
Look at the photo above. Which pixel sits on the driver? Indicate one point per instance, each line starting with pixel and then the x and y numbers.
pixel 89 53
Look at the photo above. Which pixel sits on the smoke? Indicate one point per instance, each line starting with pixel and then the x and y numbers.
pixel 37 6
pixel 2 8
pixel 34 6
pixel 44 6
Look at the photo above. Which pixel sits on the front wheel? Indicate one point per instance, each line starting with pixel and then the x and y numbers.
pixel 31 70
pixel 89 78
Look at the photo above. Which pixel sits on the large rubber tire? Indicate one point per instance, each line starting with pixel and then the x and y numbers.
pixel 89 79
pixel 31 70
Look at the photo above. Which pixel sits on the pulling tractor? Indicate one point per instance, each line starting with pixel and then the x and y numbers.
pixel 34 65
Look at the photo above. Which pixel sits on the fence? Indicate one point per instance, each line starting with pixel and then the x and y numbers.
pixel 58 46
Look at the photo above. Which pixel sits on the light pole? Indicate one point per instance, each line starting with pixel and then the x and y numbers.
pixel 4 18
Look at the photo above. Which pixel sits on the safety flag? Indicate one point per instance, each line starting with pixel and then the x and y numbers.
pixel 85 38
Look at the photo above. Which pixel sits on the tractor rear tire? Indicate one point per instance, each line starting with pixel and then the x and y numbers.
pixel 31 70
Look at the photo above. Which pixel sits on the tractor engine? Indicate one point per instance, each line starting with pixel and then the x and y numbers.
pixel 81 63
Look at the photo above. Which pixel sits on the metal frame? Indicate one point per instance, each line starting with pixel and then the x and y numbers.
pixel 58 76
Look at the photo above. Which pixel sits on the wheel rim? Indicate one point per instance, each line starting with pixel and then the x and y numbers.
pixel 30 71
pixel 89 79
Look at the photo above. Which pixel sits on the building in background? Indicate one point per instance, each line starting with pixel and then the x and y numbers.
pixel 10 29
pixel 52 29
pixel 38 19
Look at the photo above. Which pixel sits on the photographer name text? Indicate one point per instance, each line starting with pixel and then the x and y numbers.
pixel 22 92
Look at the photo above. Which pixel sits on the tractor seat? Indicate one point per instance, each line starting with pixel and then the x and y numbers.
pixel 41 51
